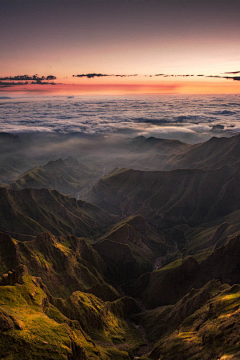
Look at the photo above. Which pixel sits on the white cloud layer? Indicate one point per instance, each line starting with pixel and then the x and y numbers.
pixel 190 119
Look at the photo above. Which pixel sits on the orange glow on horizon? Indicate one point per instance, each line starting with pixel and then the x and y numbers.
pixel 136 86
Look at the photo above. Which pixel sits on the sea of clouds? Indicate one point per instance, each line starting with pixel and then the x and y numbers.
pixel 187 118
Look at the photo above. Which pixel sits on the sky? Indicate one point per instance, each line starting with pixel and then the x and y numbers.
pixel 119 46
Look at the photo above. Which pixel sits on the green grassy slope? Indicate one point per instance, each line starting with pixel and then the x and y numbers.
pixel 65 264
pixel 32 325
pixel 205 324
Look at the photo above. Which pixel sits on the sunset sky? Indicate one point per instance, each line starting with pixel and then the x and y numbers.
pixel 143 38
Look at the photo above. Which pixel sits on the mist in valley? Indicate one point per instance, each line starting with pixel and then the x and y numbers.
pixel 146 222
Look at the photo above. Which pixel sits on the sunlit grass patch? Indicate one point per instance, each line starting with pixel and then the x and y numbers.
pixel 45 332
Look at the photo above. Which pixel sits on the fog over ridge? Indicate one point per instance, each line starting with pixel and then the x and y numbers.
pixel 186 118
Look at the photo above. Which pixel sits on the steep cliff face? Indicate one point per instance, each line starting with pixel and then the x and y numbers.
pixel 9 253
pixel 65 264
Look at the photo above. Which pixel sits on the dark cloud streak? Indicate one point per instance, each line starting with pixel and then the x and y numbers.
pixel 93 75
pixel 20 80
pixel 236 78
pixel 232 72
pixel 28 78
pixel 172 75
pixel 6 84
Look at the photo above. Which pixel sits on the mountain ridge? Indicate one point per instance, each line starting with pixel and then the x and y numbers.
pixel 31 211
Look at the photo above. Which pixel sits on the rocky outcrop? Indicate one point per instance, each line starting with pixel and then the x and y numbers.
pixel 15 276
pixel 9 253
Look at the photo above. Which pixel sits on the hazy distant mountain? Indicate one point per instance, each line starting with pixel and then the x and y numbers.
pixel 89 160
pixel 67 176
pixel 212 154
pixel 160 154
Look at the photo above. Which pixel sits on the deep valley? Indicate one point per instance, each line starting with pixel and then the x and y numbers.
pixel 125 248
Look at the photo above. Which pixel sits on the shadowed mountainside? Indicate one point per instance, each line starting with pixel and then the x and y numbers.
pixel 31 211
pixel 170 283
pixel 130 248
pixel 167 198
